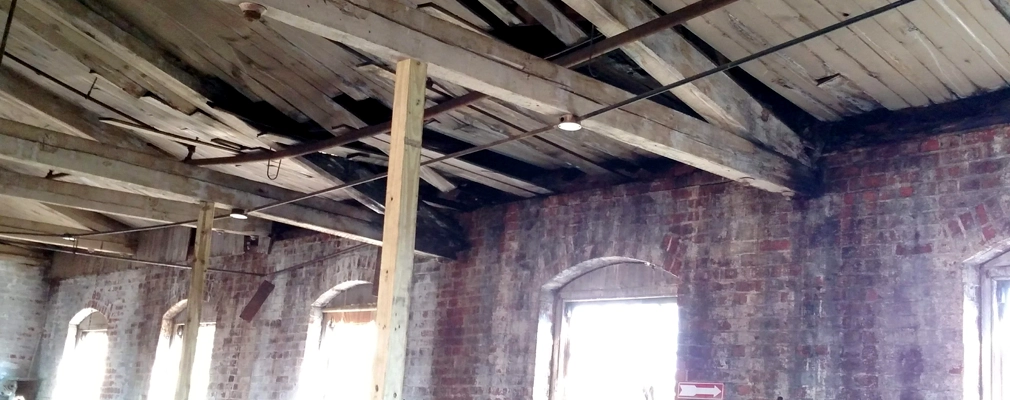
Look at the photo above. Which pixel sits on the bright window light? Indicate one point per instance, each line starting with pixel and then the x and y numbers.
pixel 165 375
pixel 621 350
pixel 82 370
pixel 348 349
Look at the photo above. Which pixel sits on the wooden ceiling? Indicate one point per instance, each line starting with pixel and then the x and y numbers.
pixel 118 72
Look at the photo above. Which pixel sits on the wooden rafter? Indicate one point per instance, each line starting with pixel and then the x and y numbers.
pixel 99 200
pixel 391 31
pixel 23 230
pixel 668 58
pixel 39 147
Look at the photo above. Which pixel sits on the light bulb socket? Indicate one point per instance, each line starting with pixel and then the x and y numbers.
pixel 252 11
pixel 238 213
pixel 569 123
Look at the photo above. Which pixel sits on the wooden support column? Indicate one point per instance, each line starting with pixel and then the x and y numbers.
pixel 201 256
pixel 398 230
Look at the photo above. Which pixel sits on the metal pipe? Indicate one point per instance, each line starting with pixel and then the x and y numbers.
pixel 320 259
pixel 543 129
pixel 567 60
pixel 134 260
pixel 640 32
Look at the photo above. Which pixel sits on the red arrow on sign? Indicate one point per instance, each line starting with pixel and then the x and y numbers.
pixel 699 390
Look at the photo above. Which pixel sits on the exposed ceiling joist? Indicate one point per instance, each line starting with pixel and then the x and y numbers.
pixel 22 230
pixel 393 31
pixel 34 146
pixel 92 220
pixel 668 58
pixel 64 196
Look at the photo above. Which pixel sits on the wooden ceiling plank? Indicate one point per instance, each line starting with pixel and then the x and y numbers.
pixel 92 220
pixel 147 60
pixel 471 60
pixel 473 129
pixel 821 56
pixel 19 229
pixel 874 35
pixel 554 20
pixel 330 55
pixel 975 34
pixel 778 72
pixel 181 37
pixel 22 143
pixel 455 9
pixel 994 22
pixel 35 211
pixel 30 48
pixel 583 151
pixel 73 118
pixel 813 16
pixel 588 146
pixel 29 145
pixel 331 77
pixel 668 58
pixel 94 53
pixel 158 115
pixel 911 39
pixel 320 109
pixel 503 14
pixel 923 18
pixel 65 196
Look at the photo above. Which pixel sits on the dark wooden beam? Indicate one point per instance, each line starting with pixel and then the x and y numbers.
pixel 885 126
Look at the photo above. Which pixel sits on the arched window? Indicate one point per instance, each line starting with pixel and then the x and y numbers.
pixel 165 373
pixel 340 347
pixel 82 368
pixel 588 308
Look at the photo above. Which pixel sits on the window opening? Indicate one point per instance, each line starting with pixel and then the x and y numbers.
pixel 339 364
pixel 624 349
pixel 165 373
pixel 82 367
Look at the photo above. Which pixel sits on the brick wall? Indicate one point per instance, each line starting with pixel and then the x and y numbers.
pixel 251 360
pixel 856 294
pixel 22 314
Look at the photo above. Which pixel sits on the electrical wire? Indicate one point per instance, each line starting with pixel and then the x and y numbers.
pixel 127 259
pixel 531 133
pixel 7 29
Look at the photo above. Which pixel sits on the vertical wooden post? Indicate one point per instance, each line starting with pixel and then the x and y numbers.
pixel 194 303
pixel 398 230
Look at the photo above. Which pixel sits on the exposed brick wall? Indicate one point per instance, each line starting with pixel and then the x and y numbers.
pixel 251 360
pixel 22 313
pixel 856 294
